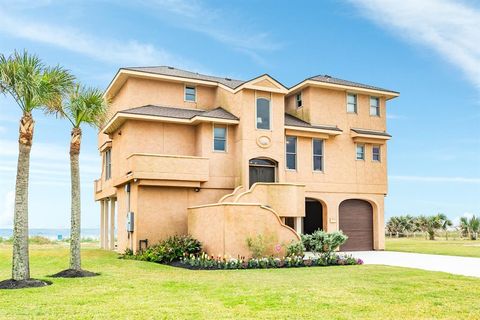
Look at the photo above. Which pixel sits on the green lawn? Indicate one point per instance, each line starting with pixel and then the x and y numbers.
pixel 142 290
pixel 465 248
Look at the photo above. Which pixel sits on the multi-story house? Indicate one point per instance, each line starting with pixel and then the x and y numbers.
pixel 225 159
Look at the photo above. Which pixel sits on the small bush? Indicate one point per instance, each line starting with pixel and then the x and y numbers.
pixel 168 250
pixel 323 242
pixel 261 246
pixel 40 240
pixel 295 248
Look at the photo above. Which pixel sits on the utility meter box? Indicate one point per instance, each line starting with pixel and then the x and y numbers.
pixel 130 221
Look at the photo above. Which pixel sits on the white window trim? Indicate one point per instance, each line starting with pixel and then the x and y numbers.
pixel 269 111
pixel 185 93
pixel 108 164
pixel 379 153
pixel 370 108
pixel 323 155
pixel 296 152
pixel 356 103
pixel 364 150
pixel 226 138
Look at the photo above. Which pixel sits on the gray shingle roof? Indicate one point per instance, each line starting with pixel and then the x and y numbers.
pixel 371 132
pixel 180 113
pixel 171 71
pixel 332 80
pixel 296 122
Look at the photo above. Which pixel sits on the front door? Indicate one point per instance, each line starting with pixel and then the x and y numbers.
pixel 261 170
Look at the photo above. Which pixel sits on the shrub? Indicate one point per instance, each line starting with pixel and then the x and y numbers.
pixel 260 246
pixel 171 249
pixel 295 248
pixel 40 240
pixel 323 242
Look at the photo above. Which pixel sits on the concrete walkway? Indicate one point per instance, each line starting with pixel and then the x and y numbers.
pixel 451 264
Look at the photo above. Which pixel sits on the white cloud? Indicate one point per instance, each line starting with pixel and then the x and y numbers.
pixel 451 28
pixel 6 210
pixel 224 27
pixel 128 52
pixel 435 179
pixel 3 129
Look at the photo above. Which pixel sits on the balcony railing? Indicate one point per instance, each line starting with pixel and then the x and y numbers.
pixel 167 167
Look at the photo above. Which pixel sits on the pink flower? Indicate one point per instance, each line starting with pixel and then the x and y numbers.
pixel 278 247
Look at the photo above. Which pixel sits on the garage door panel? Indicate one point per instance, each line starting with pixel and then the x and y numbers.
pixel 356 221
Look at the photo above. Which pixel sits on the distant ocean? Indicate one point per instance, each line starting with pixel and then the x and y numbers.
pixel 54 233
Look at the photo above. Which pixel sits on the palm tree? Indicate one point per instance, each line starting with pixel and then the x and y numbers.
pixel 445 223
pixel 83 106
pixel 33 86
pixel 470 227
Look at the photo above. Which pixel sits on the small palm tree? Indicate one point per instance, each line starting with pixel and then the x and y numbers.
pixel 83 106
pixel 446 223
pixel 470 227
pixel 33 86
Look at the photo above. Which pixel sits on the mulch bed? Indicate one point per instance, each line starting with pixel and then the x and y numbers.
pixel 21 284
pixel 71 273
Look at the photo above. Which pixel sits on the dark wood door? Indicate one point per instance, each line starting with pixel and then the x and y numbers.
pixel 261 174
pixel 356 221
pixel 313 217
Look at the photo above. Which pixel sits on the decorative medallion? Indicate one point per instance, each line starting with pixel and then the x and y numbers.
pixel 264 142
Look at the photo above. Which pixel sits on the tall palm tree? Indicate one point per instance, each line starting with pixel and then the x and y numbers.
pixel 83 106
pixel 33 86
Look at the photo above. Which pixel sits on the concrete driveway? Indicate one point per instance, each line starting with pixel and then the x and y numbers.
pixel 431 262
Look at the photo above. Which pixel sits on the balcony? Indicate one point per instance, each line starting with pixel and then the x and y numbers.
pixel 145 166
pixel 98 185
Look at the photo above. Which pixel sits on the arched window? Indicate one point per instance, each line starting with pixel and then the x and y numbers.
pixel 263 114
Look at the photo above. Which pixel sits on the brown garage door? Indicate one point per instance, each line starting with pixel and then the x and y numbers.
pixel 356 221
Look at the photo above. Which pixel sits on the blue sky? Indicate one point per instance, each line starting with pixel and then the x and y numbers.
pixel 428 51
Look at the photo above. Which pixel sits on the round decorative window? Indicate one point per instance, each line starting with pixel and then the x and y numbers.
pixel 264 141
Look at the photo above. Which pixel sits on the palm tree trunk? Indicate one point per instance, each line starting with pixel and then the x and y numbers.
pixel 75 261
pixel 20 260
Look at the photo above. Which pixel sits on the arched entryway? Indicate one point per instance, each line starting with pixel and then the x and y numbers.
pixel 262 170
pixel 356 221
pixel 313 219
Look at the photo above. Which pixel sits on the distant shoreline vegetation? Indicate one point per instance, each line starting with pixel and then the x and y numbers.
pixel 53 234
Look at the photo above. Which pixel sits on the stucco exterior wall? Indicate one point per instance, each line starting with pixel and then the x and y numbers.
pixel 224 228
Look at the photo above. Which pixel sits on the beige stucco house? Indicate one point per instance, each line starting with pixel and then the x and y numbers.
pixel 225 159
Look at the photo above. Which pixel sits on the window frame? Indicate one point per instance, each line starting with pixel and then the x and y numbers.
pixel 298 100
pixel 108 164
pixel 322 156
pixel 356 103
pixel 363 151
pixel 225 139
pixel 377 108
pixel 294 153
pixel 269 114
pixel 190 86
pixel 379 153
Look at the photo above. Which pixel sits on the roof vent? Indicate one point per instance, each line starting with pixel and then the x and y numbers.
pixel 171 68
pixel 228 79
pixel 327 76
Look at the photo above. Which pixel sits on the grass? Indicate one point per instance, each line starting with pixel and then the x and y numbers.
pixel 142 290
pixel 464 248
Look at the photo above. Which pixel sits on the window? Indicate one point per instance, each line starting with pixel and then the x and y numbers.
pixel 190 93
pixel 376 153
pixel 298 100
pixel 374 106
pixel 263 114
pixel 351 103
pixel 317 155
pixel 219 138
pixel 108 164
pixel 360 152
pixel 291 150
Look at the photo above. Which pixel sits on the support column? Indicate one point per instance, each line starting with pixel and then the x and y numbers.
pixel 112 224
pixel 102 221
pixel 105 225
pixel 299 225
